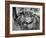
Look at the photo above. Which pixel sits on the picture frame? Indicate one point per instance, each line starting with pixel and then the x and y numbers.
pixel 10 6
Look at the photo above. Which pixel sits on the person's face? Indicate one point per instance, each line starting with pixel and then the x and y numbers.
pixel 28 17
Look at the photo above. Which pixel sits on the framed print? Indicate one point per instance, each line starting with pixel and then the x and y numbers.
pixel 24 18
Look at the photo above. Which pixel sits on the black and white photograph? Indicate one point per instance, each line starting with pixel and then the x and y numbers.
pixel 25 18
